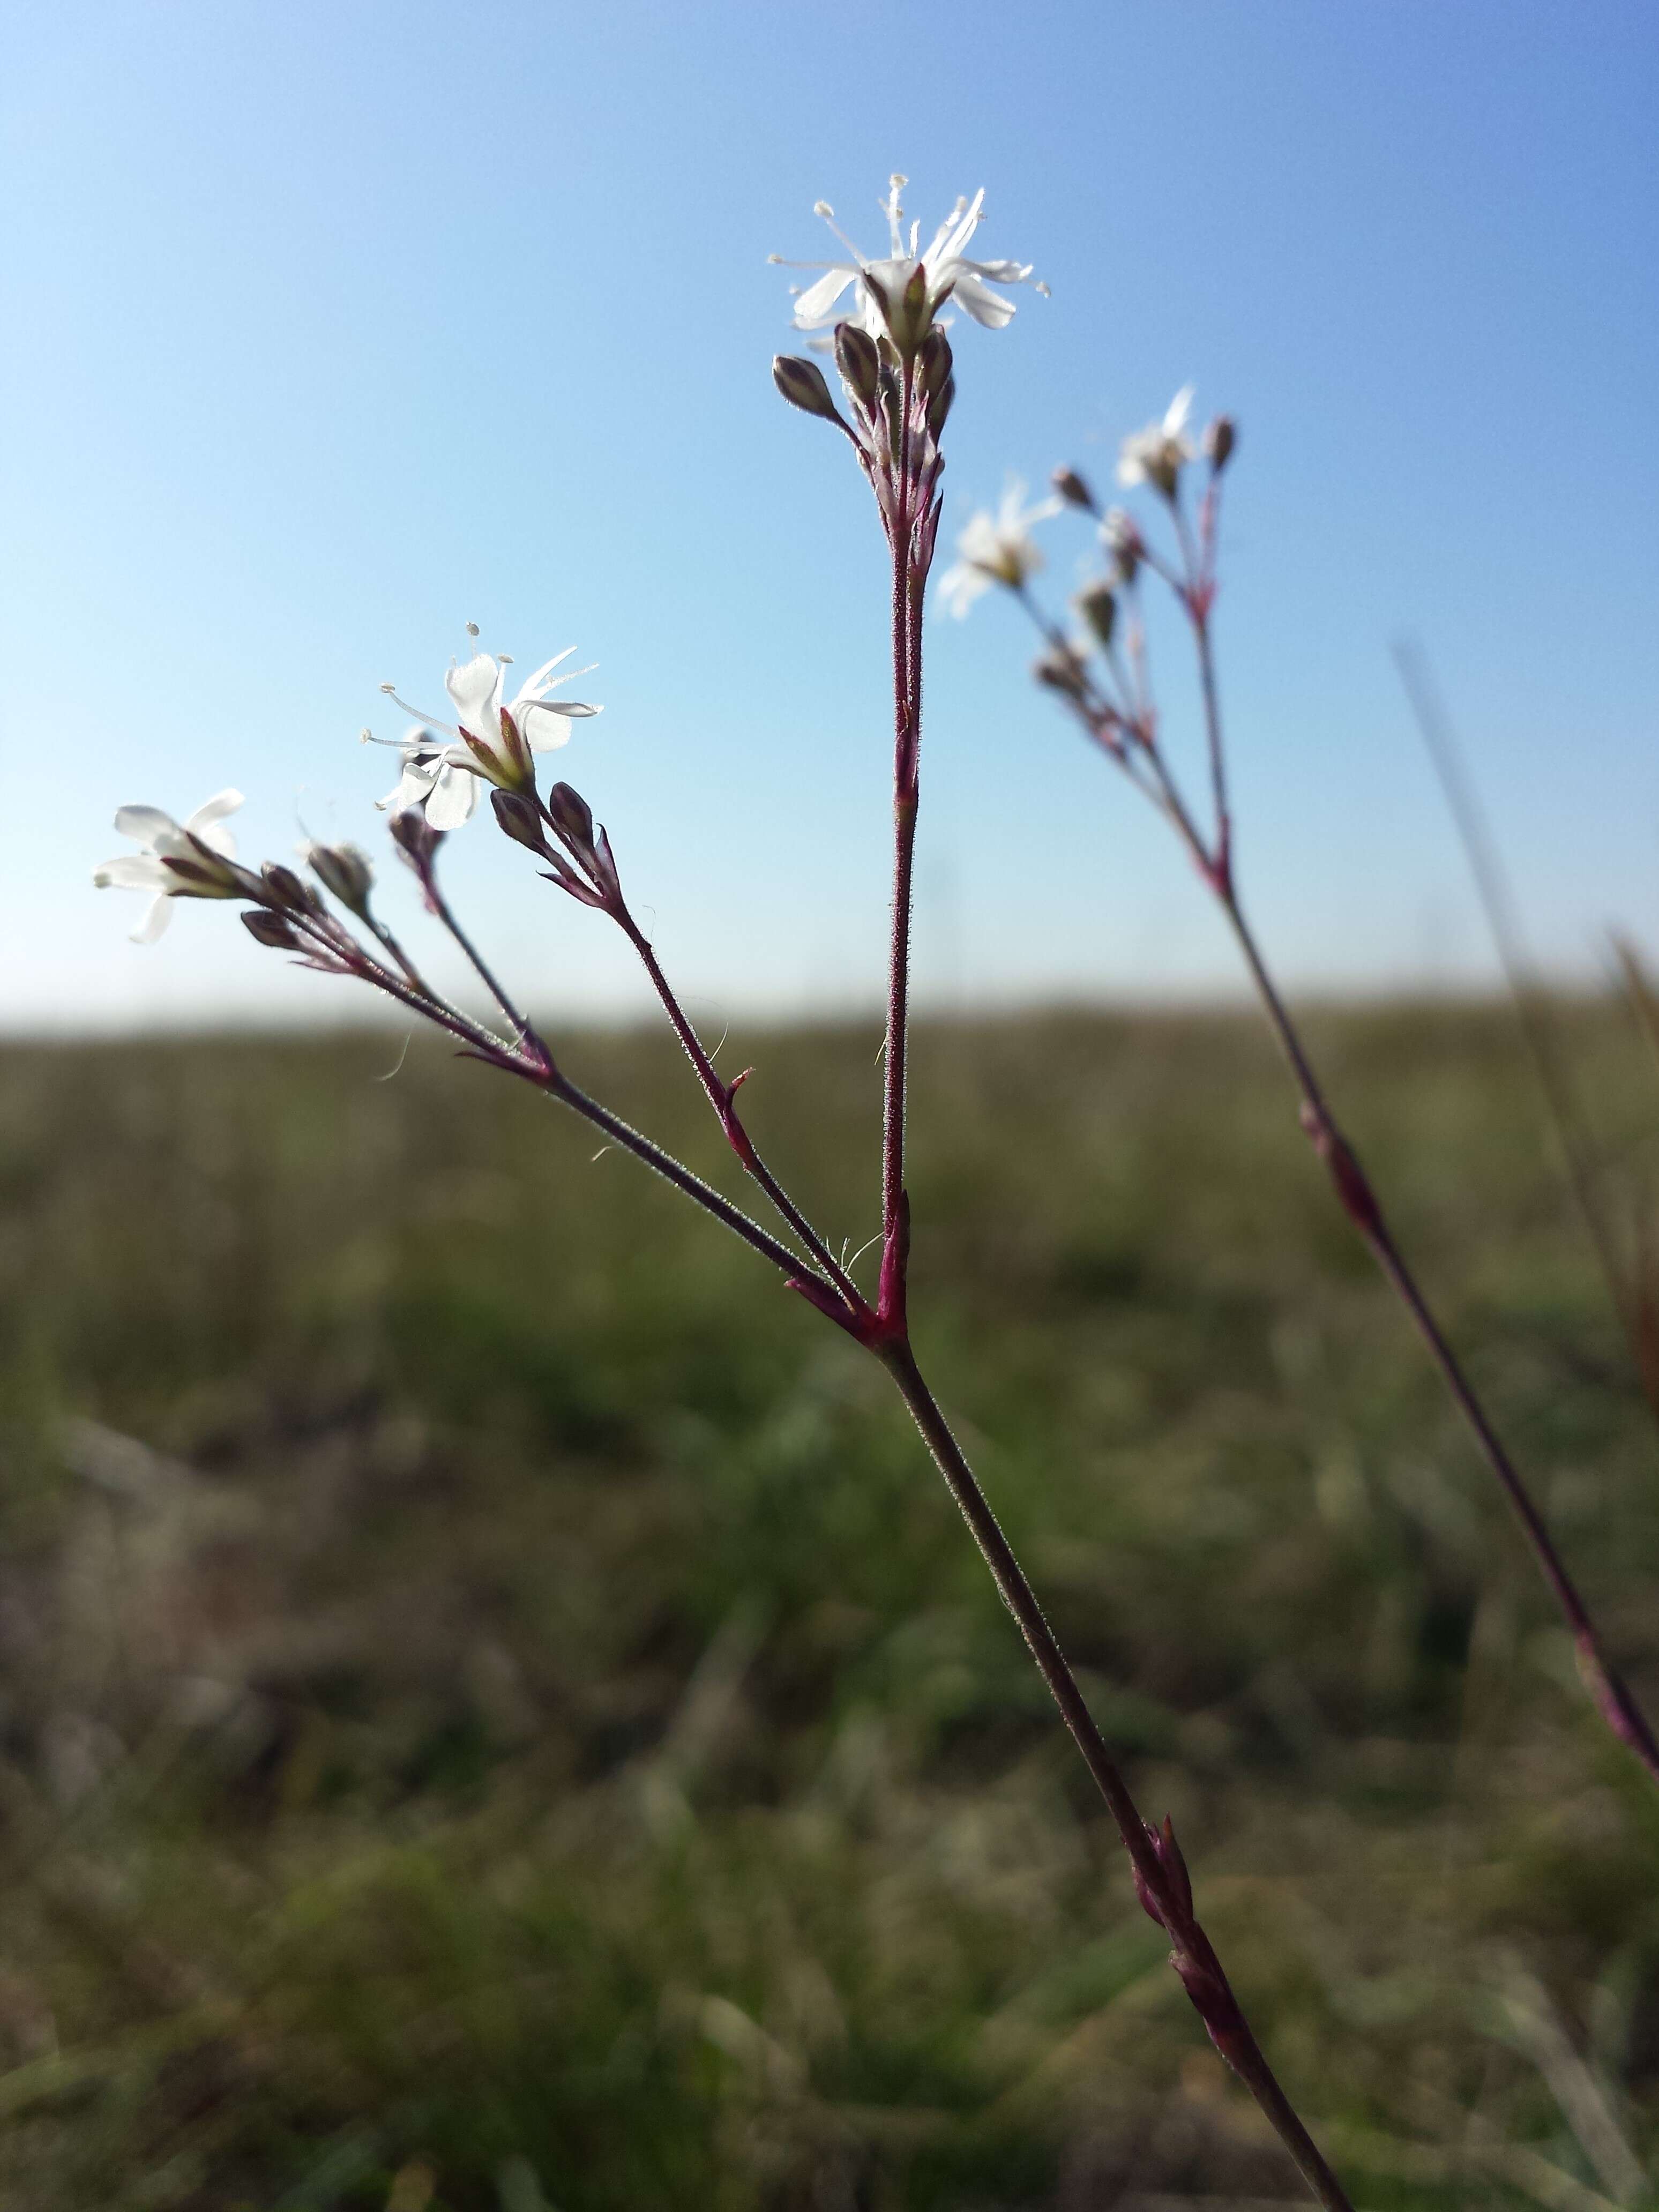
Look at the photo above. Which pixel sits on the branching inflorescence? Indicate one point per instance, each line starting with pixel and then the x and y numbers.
pixel 1099 671
pixel 896 374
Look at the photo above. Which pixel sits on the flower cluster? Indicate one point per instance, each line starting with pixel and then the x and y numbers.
pixel 489 740
pixel 898 295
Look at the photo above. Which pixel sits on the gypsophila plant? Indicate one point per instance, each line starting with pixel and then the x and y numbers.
pixel 1099 671
pixel 895 367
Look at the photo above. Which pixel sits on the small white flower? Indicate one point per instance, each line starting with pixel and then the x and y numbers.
pixel 1157 454
pixel 189 859
pixel 899 295
pixel 494 742
pixel 996 549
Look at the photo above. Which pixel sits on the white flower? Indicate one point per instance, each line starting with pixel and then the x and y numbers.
pixel 188 859
pixel 494 742
pixel 996 549
pixel 1157 454
pixel 899 296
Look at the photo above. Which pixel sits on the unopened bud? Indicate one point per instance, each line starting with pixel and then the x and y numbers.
pixel 345 870
pixel 572 816
pixel 1122 538
pixel 1074 490
pixel 939 406
pixel 1220 438
pixel 1062 669
pixel 416 838
pixel 273 929
pixel 934 362
pixel 519 819
pixel 801 382
pixel 285 888
pixel 1099 608
pixel 859 362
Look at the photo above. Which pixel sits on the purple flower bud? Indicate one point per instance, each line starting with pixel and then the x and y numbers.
pixel 284 889
pixel 1219 439
pixel 933 361
pixel 801 382
pixel 572 816
pixel 1062 671
pixel 1099 608
pixel 344 870
pixel 858 361
pixel 416 838
pixel 273 929
pixel 939 406
pixel 1074 490
pixel 518 819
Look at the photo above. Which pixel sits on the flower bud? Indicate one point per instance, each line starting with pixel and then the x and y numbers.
pixel 859 362
pixel 416 838
pixel 934 362
pixel 1062 669
pixel 1074 490
pixel 344 870
pixel 1122 538
pixel 572 816
pixel 273 929
pixel 518 820
pixel 801 382
pixel 285 889
pixel 939 406
pixel 1099 608
pixel 1219 439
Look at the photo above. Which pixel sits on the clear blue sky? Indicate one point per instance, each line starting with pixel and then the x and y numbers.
pixel 330 327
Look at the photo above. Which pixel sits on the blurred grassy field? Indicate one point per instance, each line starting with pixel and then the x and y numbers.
pixel 498 1711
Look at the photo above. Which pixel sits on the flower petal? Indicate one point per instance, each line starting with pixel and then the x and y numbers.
pixel 476 690
pixel 453 797
pixel 131 871
pixel 978 301
pixel 154 922
pixel 146 823
pixel 816 301
pixel 212 810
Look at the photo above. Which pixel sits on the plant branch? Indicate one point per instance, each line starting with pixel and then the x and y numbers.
pixel 722 1097
pixel 1160 1875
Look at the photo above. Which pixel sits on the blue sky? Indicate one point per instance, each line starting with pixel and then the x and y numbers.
pixel 330 328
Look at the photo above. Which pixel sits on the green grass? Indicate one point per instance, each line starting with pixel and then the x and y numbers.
pixel 531 1729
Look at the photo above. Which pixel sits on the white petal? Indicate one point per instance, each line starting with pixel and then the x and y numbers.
pixel 532 684
pixel 213 810
pixel 131 871
pixel 978 299
pixel 1175 420
pixel 476 690
pixel 454 798
pixel 160 914
pixel 146 823
pixel 1000 272
pixel 817 300
pixel 966 223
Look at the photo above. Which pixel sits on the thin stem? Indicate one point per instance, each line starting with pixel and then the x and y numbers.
pixel 1159 1877
pixel 1223 855
pixel 907 733
pixel 1612 1696
pixel 673 1170
pixel 1492 888
pixel 445 914
pixel 722 1097
pixel 1608 1690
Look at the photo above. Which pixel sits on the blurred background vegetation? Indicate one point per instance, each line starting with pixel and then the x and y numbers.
pixel 498 1710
